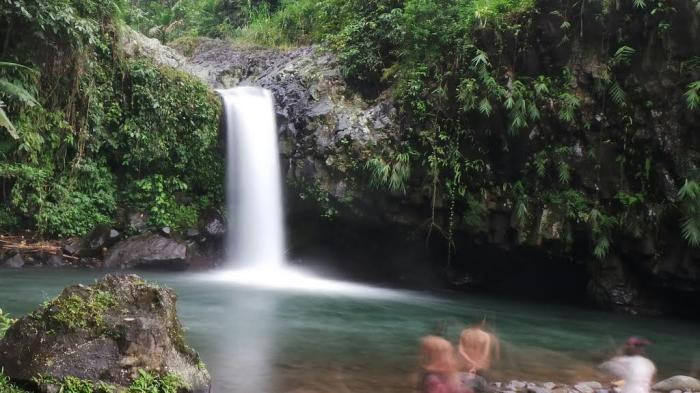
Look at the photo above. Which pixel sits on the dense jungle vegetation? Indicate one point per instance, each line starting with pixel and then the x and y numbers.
pixel 495 109
pixel 89 134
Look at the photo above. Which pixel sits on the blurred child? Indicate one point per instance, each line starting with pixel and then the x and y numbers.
pixel 439 366
pixel 477 350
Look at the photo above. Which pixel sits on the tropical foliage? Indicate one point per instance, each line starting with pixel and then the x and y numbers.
pixel 86 129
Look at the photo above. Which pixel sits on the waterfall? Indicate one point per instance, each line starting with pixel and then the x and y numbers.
pixel 255 237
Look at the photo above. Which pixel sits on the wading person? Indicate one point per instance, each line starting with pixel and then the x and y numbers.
pixel 636 370
pixel 439 366
pixel 477 349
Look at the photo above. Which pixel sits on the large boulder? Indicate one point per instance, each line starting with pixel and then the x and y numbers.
pixel 678 382
pixel 148 251
pixel 105 332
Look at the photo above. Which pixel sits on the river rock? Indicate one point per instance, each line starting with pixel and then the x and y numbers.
pixel 678 382
pixel 55 260
pixel 148 251
pixel 104 332
pixel 214 227
pixel 15 262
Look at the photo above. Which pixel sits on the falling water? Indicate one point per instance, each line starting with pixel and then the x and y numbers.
pixel 255 235
pixel 255 243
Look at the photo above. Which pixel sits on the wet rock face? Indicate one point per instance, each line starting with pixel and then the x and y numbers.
pixel 148 251
pixel 104 332
pixel 325 127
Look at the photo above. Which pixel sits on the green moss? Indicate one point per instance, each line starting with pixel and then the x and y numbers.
pixel 79 312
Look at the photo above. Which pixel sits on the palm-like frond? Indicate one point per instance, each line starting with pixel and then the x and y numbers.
pixel 24 68
pixel 16 90
pixel 7 124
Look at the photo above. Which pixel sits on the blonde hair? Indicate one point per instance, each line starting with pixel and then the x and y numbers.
pixel 437 355
pixel 477 348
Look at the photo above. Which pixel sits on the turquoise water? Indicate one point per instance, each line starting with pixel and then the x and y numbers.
pixel 257 340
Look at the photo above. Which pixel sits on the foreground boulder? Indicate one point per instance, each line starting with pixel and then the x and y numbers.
pixel 105 332
pixel 679 382
pixel 148 251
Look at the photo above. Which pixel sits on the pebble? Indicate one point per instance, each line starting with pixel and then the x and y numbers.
pixel 516 385
pixel 549 385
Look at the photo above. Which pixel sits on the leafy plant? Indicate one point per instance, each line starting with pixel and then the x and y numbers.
pixel 393 175
pixel 689 196
pixel 5 323
pixel 19 88
pixel 692 95
pixel 6 386
pixel 148 383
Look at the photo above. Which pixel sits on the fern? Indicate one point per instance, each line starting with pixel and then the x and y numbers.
pixel 569 103
pixel 602 246
pixel 564 173
pixel 692 96
pixel 689 196
pixel 623 55
pixel 640 3
pixel 485 107
pixel 617 94
pixel 541 86
pixel 392 176
pixel 481 59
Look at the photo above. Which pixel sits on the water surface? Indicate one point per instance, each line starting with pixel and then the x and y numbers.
pixel 264 340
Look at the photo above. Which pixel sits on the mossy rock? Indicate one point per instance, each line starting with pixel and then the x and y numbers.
pixel 105 332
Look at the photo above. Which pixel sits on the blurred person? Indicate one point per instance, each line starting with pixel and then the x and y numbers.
pixel 439 366
pixel 477 350
pixel 632 367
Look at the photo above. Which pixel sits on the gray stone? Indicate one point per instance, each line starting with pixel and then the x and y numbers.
pixel 129 326
pixel 538 389
pixel 678 382
pixel 584 388
pixel 516 385
pixel 166 231
pixel 114 234
pixel 214 227
pixel 148 251
pixel 73 246
pixel 55 261
pixel 15 262
pixel 137 221
pixel 192 233
pixel 549 385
